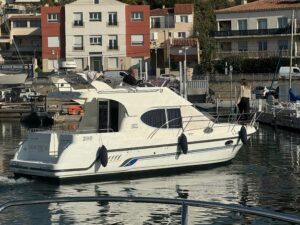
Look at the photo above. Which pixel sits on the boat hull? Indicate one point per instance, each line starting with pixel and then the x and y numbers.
pixel 126 161
pixel 11 79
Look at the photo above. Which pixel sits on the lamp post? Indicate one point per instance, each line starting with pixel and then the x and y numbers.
pixel 155 60
pixel 184 80
pixel 169 43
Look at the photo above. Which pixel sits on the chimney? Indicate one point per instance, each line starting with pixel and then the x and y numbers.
pixel 243 2
pixel 163 6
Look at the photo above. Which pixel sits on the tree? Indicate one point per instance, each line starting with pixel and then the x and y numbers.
pixel 204 24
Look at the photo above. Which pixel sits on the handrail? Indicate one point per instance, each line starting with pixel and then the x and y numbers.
pixel 183 202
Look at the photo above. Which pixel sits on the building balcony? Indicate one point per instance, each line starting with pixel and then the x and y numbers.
pixel 5 38
pixel 261 32
pixel 112 24
pixel 112 47
pixel 78 48
pixel 78 23
pixel 158 25
pixel 26 48
pixel 251 54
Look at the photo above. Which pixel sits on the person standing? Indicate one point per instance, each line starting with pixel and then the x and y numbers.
pixel 243 102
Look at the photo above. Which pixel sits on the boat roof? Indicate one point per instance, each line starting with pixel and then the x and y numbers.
pixel 136 99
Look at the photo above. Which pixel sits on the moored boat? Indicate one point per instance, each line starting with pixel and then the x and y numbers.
pixel 129 130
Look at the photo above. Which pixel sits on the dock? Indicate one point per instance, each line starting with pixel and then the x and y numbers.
pixel 16 110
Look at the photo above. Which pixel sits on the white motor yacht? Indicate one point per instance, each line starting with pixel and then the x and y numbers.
pixel 129 130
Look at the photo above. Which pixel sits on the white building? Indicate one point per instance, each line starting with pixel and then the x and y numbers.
pixel 257 29
pixel 96 34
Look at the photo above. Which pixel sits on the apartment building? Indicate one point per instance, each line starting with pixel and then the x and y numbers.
pixel 25 38
pixel 168 24
pixel 137 35
pixel 106 35
pixel 257 29
pixel 53 37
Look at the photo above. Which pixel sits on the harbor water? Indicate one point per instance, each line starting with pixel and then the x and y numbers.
pixel 265 174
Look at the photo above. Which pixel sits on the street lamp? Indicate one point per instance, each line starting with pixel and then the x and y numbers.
pixel 185 48
pixel 155 59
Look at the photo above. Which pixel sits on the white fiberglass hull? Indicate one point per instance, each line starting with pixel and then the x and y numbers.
pixel 14 78
pixel 57 158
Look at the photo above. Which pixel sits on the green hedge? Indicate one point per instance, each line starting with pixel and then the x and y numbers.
pixel 243 65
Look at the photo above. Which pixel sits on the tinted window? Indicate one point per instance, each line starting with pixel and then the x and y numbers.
pixel 174 118
pixel 155 118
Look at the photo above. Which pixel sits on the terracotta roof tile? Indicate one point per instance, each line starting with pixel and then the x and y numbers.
pixel 262 5
pixel 161 12
pixel 183 9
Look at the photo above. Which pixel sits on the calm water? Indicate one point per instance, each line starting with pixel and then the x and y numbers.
pixel 265 173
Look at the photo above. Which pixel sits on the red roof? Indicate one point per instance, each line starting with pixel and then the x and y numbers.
pixel 262 5
pixel 25 17
pixel 183 9
pixel 161 12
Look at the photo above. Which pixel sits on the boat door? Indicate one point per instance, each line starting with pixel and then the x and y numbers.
pixel 108 116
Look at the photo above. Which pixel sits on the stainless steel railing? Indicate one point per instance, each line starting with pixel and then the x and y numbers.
pixel 185 203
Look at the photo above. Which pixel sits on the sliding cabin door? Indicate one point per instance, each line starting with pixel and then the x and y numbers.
pixel 108 116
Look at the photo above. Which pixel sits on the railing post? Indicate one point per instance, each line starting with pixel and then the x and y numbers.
pixel 184 214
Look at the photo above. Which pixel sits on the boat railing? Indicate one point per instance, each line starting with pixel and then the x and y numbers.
pixel 207 122
pixel 184 203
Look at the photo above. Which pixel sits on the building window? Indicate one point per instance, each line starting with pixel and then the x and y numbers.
pixel 96 40
pixel 137 16
pixel 243 46
pixel 20 23
pixel 181 34
pixel 53 17
pixel 35 23
pixel 263 45
pixel 112 63
pixel 262 24
pixel 78 21
pixel 113 42
pixel 155 22
pixel 184 19
pixel 283 45
pixel 53 42
pixel 78 42
pixel 282 22
pixel 242 24
pixel 112 18
pixel 95 16
pixel 154 36
pixel 96 1
pixel 137 40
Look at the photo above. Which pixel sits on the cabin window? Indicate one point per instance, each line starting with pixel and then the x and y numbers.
pixel 174 118
pixel 158 118
pixel 155 118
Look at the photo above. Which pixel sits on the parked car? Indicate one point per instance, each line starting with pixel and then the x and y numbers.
pixel 262 92
pixel 259 92
pixel 26 94
pixel 284 72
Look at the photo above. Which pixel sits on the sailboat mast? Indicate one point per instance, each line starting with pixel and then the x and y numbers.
pixel 292 48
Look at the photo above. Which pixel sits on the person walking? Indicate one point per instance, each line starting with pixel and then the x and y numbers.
pixel 243 102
